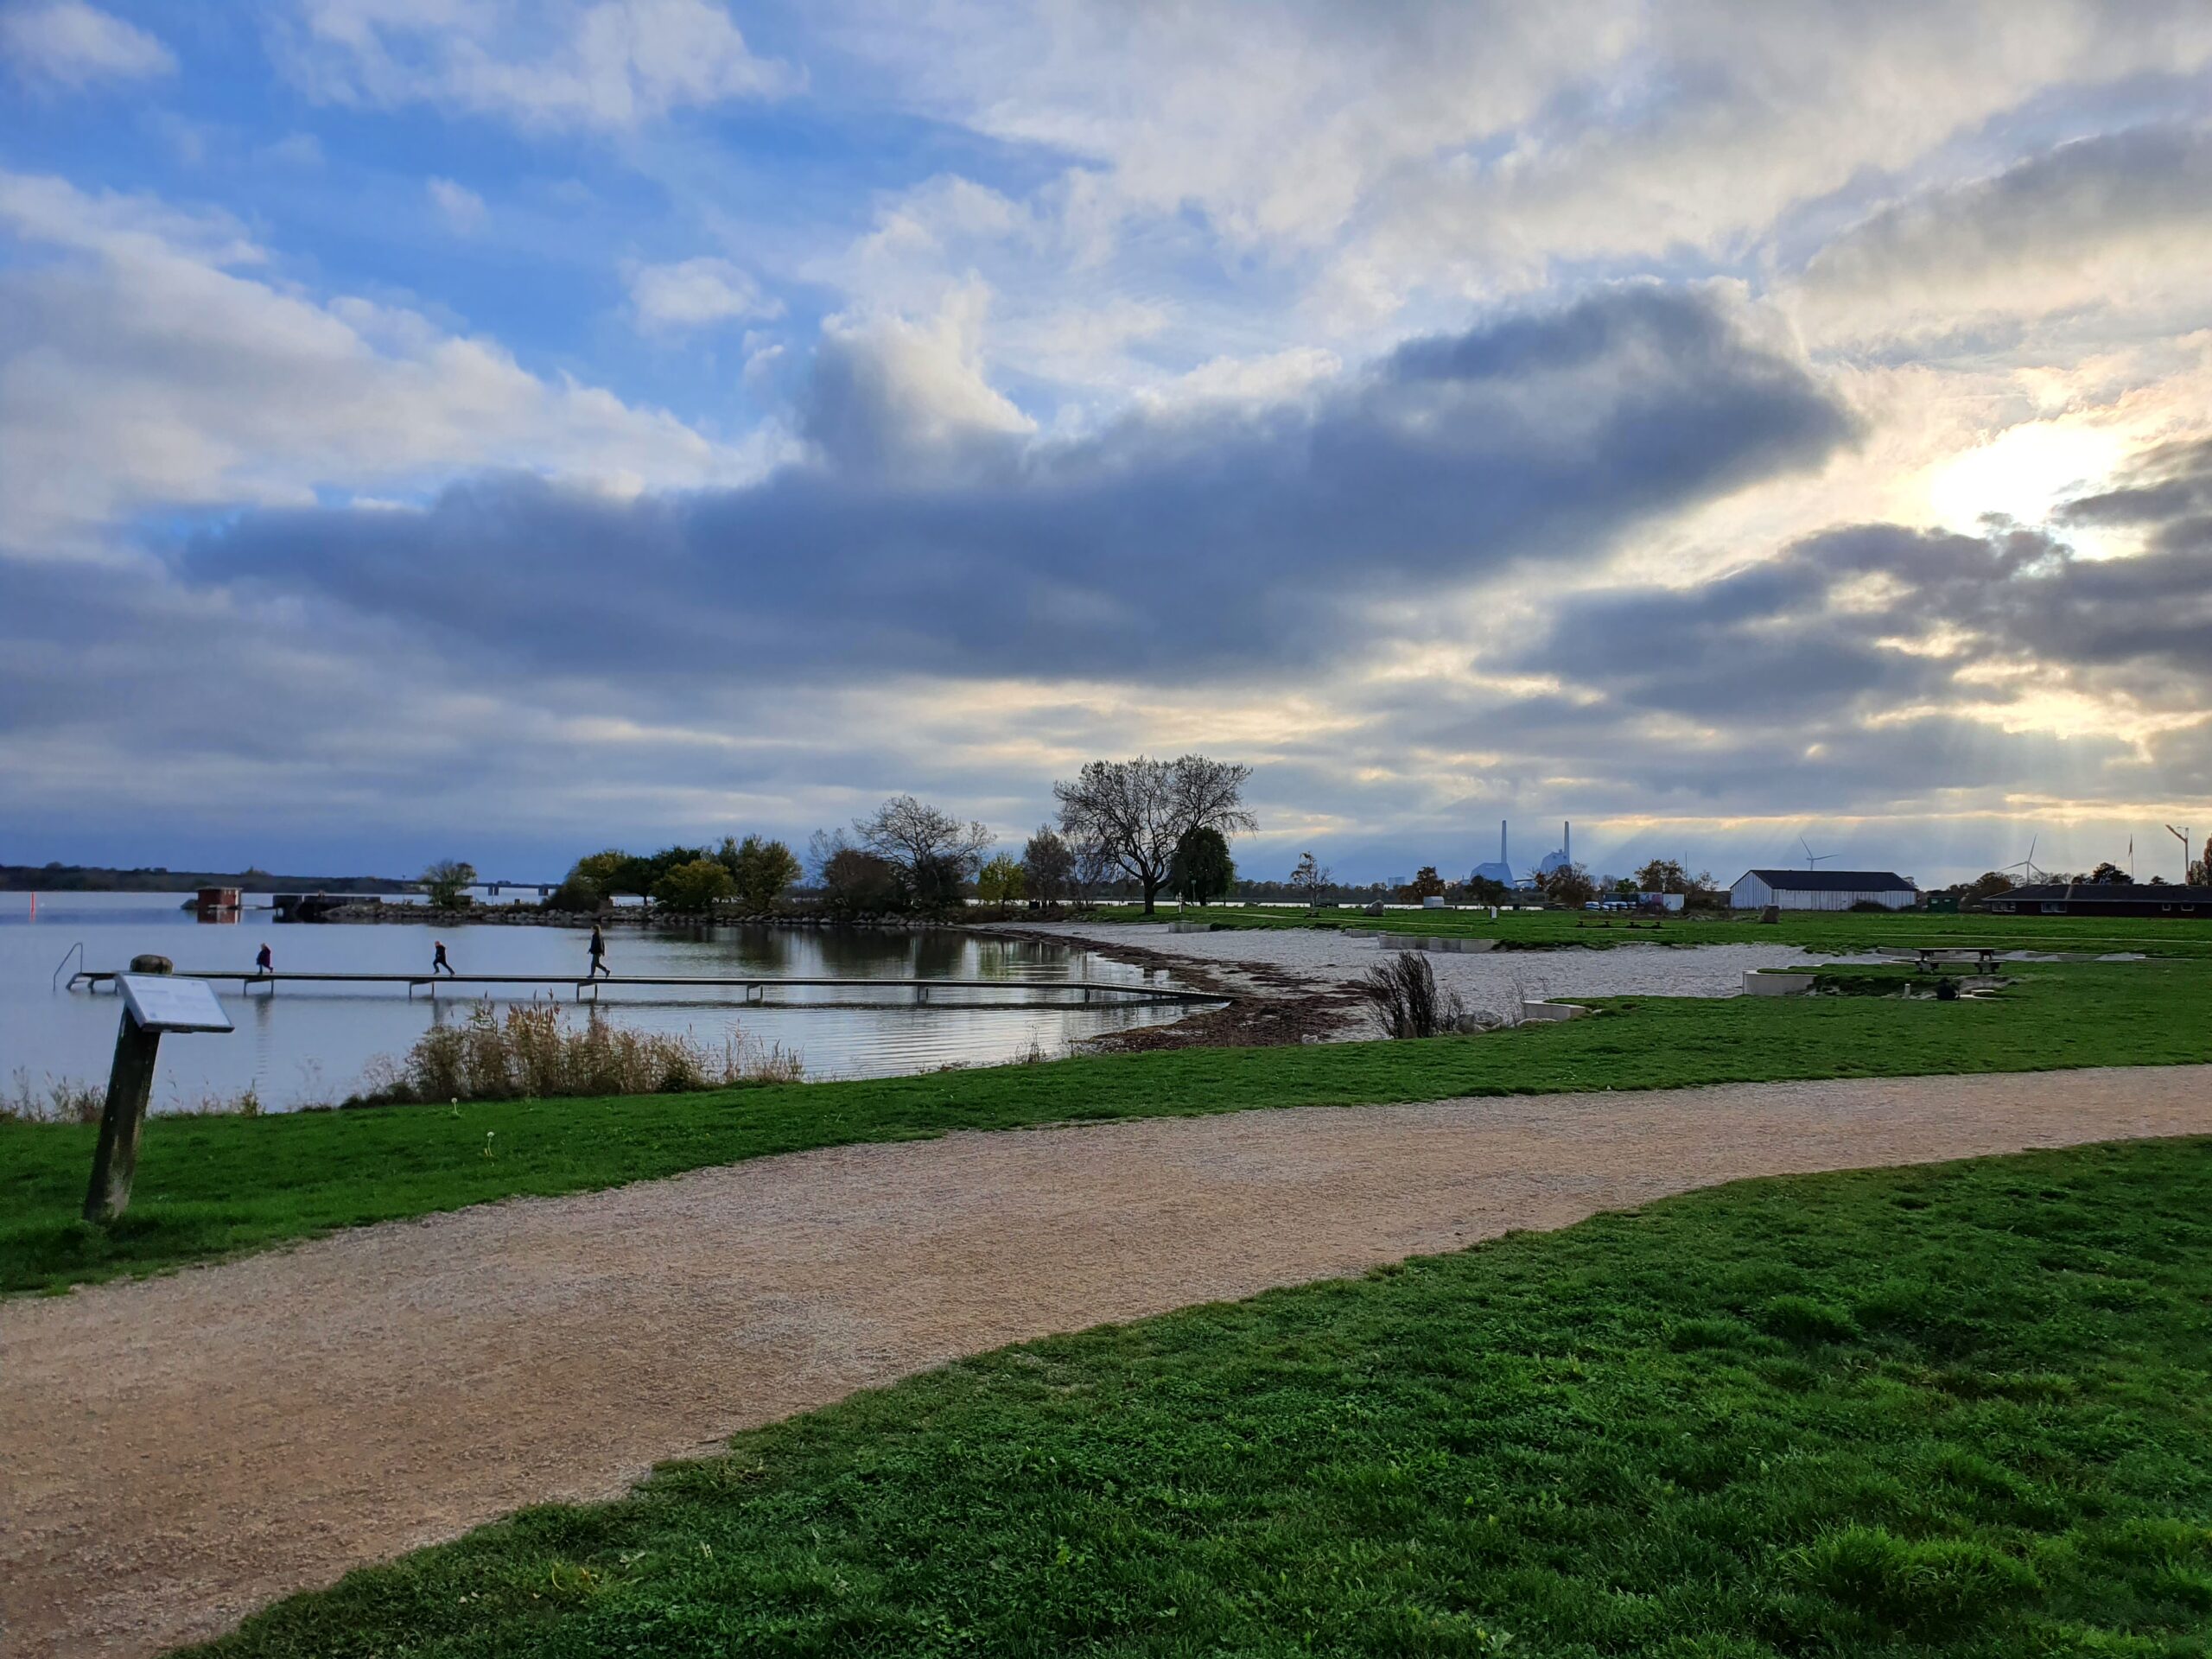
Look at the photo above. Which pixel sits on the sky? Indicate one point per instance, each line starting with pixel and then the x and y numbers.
pixel 503 429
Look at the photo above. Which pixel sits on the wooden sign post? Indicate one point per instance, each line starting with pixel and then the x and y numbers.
pixel 152 1004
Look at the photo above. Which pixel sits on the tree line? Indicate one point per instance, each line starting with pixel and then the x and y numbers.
pixel 1142 826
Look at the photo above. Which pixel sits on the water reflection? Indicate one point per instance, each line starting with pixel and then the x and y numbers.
pixel 311 1043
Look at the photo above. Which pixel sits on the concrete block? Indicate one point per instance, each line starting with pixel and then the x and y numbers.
pixel 1759 984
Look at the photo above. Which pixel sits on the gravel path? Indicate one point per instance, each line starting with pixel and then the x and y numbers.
pixel 179 1451
pixel 1490 981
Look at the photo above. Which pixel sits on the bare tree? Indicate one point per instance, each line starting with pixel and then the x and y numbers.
pixel 1311 878
pixel 1135 811
pixel 933 851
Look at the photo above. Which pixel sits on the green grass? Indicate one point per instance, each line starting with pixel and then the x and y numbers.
pixel 1959 1410
pixel 1839 931
pixel 212 1186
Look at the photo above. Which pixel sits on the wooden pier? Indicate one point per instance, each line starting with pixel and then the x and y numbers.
pixel 753 990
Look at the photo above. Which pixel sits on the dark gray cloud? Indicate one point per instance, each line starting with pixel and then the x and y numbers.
pixel 1213 540
pixel 1824 626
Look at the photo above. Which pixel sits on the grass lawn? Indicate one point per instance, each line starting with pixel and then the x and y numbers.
pixel 211 1187
pixel 1959 1410
pixel 1839 931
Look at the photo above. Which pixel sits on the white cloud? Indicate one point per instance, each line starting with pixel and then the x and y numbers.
pixel 461 208
pixel 890 393
pixel 696 293
pixel 300 150
pixel 609 65
pixel 1270 379
pixel 72 44
pixel 1469 147
pixel 143 370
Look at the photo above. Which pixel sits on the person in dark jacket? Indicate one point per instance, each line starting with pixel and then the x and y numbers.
pixel 265 963
pixel 598 953
pixel 438 961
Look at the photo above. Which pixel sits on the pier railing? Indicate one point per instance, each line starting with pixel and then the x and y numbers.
pixel 754 990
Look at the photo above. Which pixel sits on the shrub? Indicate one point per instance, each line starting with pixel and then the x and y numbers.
pixel 853 881
pixel 446 882
pixel 1402 996
pixel 534 1053
pixel 60 1101
pixel 576 894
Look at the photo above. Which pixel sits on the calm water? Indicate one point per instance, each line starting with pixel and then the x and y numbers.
pixel 308 1045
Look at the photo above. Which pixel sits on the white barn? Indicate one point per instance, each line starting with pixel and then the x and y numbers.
pixel 1821 890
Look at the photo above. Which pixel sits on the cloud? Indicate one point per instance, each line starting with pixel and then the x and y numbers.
pixel 931 534
pixel 1458 149
pixel 1879 623
pixel 2118 221
pixel 890 395
pixel 145 367
pixel 697 293
pixel 71 44
pixel 607 66
pixel 462 208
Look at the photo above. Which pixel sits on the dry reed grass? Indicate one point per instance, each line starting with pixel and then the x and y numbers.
pixel 58 1100
pixel 534 1052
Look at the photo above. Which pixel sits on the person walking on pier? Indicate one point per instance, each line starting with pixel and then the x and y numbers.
pixel 438 959
pixel 265 963
pixel 598 953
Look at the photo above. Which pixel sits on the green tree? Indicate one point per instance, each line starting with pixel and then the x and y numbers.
pixel 1482 890
pixel 1663 876
pixel 575 895
pixel 2108 873
pixel 1201 870
pixel 856 883
pixel 1569 886
pixel 1427 883
pixel 1987 884
pixel 761 870
pixel 1000 881
pixel 614 871
pixel 448 882
pixel 1048 867
pixel 694 886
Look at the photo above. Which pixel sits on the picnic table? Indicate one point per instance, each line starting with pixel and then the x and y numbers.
pixel 1934 958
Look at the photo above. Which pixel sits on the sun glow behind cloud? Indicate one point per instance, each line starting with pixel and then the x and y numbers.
pixel 2025 473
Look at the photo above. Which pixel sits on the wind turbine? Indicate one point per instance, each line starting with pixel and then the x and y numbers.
pixel 2028 864
pixel 1812 858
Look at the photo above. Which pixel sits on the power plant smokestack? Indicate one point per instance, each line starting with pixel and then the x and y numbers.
pixel 1567 840
pixel 1500 841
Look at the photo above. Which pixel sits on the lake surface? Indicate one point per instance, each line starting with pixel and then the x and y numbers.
pixel 311 1045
